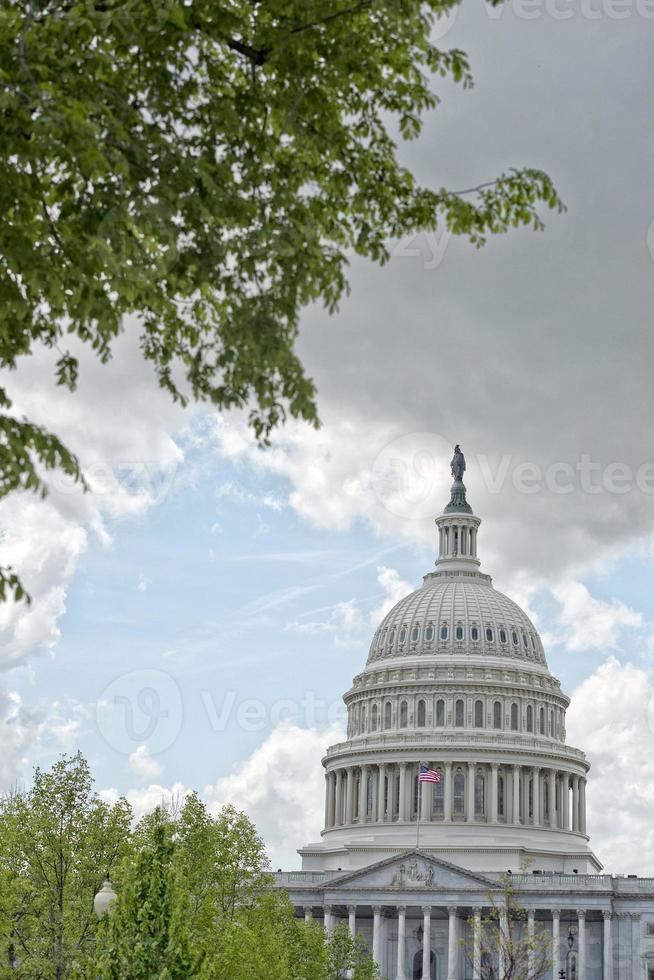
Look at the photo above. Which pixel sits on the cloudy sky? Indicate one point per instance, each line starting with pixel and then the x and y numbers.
pixel 197 617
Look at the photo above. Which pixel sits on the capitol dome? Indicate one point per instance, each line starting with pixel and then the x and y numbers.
pixel 457 680
pixel 453 615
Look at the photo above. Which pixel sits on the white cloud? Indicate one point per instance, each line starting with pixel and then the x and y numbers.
pixel 394 587
pixel 143 765
pixel 281 788
pixel 144 800
pixel 121 426
pixel 143 583
pixel 611 718
pixel 344 621
pixel 29 733
pixel 587 623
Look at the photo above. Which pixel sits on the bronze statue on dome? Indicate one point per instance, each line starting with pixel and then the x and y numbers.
pixel 458 464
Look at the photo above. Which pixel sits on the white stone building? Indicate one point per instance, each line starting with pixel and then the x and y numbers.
pixel 457 679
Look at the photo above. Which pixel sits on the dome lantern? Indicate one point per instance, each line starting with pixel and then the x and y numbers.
pixel 457 525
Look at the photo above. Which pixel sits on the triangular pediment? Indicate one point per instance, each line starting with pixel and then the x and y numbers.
pixel 414 870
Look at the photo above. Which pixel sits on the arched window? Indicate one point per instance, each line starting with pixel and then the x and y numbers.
pixel 459 714
pixel 404 714
pixel 479 714
pixel 480 796
pixel 474 632
pixel 459 632
pixel 514 637
pixel 440 713
pixel 514 717
pixel 489 634
pixel 402 636
pixel 415 633
pixel 364 718
pixel 429 633
pixel 459 793
pixel 524 640
pixel 422 712
pixel 500 795
pixel 373 718
pixel 388 714
pixel 443 632
pixel 530 718
pixel 502 636
pixel 391 638
pixel 497 714
pixel 438 798
pixel 542 721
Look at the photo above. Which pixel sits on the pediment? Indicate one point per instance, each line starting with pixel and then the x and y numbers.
pixel 414 871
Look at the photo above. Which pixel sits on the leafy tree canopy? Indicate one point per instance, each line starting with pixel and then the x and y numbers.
pixel 206 166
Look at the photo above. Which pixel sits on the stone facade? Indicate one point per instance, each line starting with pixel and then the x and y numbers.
pixel 457 680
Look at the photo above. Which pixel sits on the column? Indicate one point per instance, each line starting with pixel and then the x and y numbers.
pixel 376 934
pixel 582 805
pixel 531 933
pixel 426 943
pixel 308 913
pixel 552 777
pixel 608 946
pixel 451 945
pixel 565 800
pixel 327 780
pixel 447 794
pixel 331 800
pixel 516 794
pixel 535 776
pixel 476 944
pixel 526 778
pixel 403 768
pixel 556 943
pixel 494 798
pixel 575 803
pixel 470 808
pixel 636 965
pixel 390 775
pixel 352 920
pixel 349 795
pixel 375 795
pixel 401 942
pixel 381 777
pixel 581 920
pixel 328 918
pixel 363 795
pixel 338 814
pixel 426 797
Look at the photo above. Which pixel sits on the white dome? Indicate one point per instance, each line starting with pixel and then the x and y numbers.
pixel 457 613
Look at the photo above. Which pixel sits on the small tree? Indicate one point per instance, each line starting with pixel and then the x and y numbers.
pixel 57 842
pixel 508 948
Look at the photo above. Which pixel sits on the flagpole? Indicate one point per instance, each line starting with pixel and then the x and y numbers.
pixel 419 809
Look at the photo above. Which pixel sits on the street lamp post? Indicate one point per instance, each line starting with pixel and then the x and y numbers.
pixel 104 901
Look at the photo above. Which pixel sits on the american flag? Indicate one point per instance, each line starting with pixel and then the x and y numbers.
pixel 427 775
